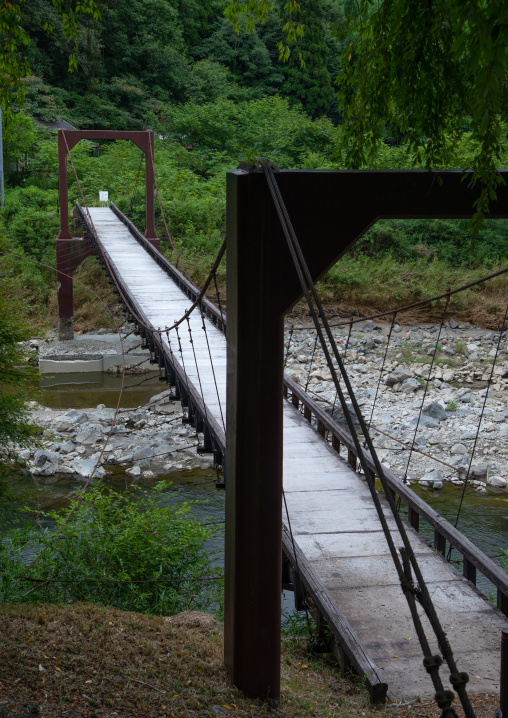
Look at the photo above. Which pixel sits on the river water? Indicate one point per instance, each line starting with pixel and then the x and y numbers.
pixel 483 517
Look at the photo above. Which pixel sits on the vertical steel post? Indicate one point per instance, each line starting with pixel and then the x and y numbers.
pixel 503 683
pixel 63 194
pixel 255 355
pixel 64 286
pixel 150 232
pixel 64 282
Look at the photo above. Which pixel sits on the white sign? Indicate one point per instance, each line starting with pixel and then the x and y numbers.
pixel 103 196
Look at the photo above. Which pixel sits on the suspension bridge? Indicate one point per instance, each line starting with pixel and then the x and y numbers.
pixel 338 536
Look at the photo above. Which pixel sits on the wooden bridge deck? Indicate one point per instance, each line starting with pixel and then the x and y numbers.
pixel 333 520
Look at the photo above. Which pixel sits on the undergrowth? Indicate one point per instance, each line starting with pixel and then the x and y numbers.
pixel 113 549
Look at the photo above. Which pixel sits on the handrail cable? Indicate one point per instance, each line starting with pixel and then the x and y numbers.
pixel 173 248
pixel 382 368
pixel 135 190
pixel 443 318
pixel 489 382
pixel 431 663
pixel 191 340
pixel 213 371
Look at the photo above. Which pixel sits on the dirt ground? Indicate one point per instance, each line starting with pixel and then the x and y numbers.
pixel 85 661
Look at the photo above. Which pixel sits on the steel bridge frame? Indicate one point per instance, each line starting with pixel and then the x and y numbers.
pixel 330 211
pixel 71 251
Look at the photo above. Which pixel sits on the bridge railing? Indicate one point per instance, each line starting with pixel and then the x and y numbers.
pixel 473 558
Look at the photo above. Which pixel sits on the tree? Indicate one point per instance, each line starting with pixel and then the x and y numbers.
pixel 15 39
pixel 246 56
pixel 425 71
pixel 307 76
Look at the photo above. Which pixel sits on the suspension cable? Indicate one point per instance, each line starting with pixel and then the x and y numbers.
pixel 489 382
pixel 382 367
pixel 443 317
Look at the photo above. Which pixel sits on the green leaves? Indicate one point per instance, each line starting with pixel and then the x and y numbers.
pixel 14 66
pixel 422 72
pixel 135 552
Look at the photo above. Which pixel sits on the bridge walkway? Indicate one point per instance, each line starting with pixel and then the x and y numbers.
pixel 343 553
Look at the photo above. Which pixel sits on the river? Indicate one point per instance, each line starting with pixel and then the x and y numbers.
pixel 483 517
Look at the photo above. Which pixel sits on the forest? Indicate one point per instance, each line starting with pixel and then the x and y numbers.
pixel 215 95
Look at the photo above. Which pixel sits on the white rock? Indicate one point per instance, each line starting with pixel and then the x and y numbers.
pixel 497 481
pixel 458 449
pixel 84 467
pixel 133 471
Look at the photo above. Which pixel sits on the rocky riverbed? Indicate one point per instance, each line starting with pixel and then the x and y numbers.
pixel 146 441
pixel 390 380
pixel 452 405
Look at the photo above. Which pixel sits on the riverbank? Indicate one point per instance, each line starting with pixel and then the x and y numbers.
pixel 85 661
pixel 388 366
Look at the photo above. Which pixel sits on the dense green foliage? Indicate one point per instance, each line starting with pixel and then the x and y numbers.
pixel 196 143
pixel 307 76
pixel 139 55
pixel 217 93
pixel 132 553
pixel 414 74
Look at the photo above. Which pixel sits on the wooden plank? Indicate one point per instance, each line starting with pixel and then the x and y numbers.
pixel 336 620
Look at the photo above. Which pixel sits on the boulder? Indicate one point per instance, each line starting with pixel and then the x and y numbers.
pixel 90 435
pixel 480 470
pixel 65 447
pixel 159 397
pixel 145 452
pixel 397 377
pixel 85 467
pixel 133 471
pixel 432 479
pixel 497 481
pixel 42 457
pixel 458 449
pixel 468 435
pixel 409 386
pixel 427 422
pixel 73 416
pixel 435 411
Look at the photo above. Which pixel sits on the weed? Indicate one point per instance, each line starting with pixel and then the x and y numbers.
pixel 294 624
pixel 461 348
pixel 451 406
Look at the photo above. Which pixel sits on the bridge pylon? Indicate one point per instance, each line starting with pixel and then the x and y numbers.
pixel 71 251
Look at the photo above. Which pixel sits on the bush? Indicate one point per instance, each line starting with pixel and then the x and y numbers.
pixel 117 550
pixel 30 218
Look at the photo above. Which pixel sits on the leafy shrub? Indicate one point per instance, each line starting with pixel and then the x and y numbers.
pixel 30 218
pixel 116 550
